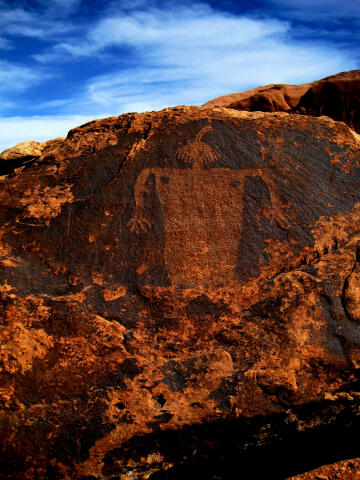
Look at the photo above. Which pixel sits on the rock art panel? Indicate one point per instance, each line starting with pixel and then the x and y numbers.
pixel 201 204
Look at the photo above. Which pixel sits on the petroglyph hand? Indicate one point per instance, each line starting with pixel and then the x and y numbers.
pixel 139 223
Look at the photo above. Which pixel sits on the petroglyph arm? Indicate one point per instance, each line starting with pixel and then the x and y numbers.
pixel 277 204
pixel 139 223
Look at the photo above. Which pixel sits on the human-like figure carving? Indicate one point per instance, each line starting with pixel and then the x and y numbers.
pixel 202 210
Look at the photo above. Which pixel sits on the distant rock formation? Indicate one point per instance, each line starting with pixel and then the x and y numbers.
pixel 24 154
pixel 180 297
pixel 337 96
pixel 23 149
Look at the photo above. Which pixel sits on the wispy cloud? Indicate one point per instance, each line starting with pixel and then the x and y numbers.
pixel 14 130
pixel 189 55
pixel 61 8
pixel 44 8
pixel 16 77
pixel 21 22
pixel 179 28
pixel 5 44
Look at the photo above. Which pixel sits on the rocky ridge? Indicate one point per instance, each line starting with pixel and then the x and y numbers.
pixel 337 97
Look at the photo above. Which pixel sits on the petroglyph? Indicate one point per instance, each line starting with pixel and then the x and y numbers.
pixel 200 207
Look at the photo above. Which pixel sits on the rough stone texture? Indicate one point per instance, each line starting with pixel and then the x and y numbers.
pixel 337 96
pixel 23 149
pixel 345 470
pixel 269 98
pixel 175 286
pixel 29 149
pixel 24 154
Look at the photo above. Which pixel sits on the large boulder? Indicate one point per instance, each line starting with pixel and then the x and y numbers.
pixel 337 96
pixel 23 154
pixel 179 291
pixel 23 149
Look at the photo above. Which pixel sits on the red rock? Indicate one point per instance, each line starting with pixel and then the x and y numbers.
pixel 24 154
pixel 343 470
pixel 175 285
pixel 269 98
pixel 337 96
pixel 23 149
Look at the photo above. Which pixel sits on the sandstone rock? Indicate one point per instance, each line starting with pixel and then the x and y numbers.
pixel 29 149
pixel 344 470
pixel 23 149
pixel 337 96
pixel 24 154
pixel 269 98
pixel 175 286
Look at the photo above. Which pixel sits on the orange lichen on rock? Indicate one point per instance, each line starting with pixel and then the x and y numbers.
pixel 21 344
pixel 46 202
pixel 114 294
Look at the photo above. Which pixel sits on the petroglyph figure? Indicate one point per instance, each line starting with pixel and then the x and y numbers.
pixel 203 213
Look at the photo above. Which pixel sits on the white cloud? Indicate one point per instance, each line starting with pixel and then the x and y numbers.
pixel 14 130
pixel 21 22
pixel 13 80
pixel 181 28
pixel 16 77
pixel 190 55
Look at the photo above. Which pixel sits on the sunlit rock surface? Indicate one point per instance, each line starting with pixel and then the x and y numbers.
pixel 337 96
pixel 343 470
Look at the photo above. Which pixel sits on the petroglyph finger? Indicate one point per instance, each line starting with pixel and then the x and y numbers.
pixel 131 224
pixel 146 222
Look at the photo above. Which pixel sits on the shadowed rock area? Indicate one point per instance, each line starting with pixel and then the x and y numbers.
pixel 337 96
pixel 179 298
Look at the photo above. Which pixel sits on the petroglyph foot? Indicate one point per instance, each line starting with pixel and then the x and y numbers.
pixel 139 224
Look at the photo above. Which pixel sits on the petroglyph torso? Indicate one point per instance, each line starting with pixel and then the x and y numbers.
pixel 202 211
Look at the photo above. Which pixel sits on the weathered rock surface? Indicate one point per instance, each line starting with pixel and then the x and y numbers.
pixel 177 286
pixel 344 470
pixel 23 149
pixel 268 98
pixel 337 96
pixel 24 154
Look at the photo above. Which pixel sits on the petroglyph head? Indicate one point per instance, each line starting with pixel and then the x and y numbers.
pixel 198 153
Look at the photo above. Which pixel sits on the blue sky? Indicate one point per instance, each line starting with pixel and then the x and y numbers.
pixel 64 62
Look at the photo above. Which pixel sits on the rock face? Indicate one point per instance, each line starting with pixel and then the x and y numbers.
pixel 344 470
pixel 175 286
pixel 23 149
pixel 269 98
pixel 337 97
pixel 23 154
